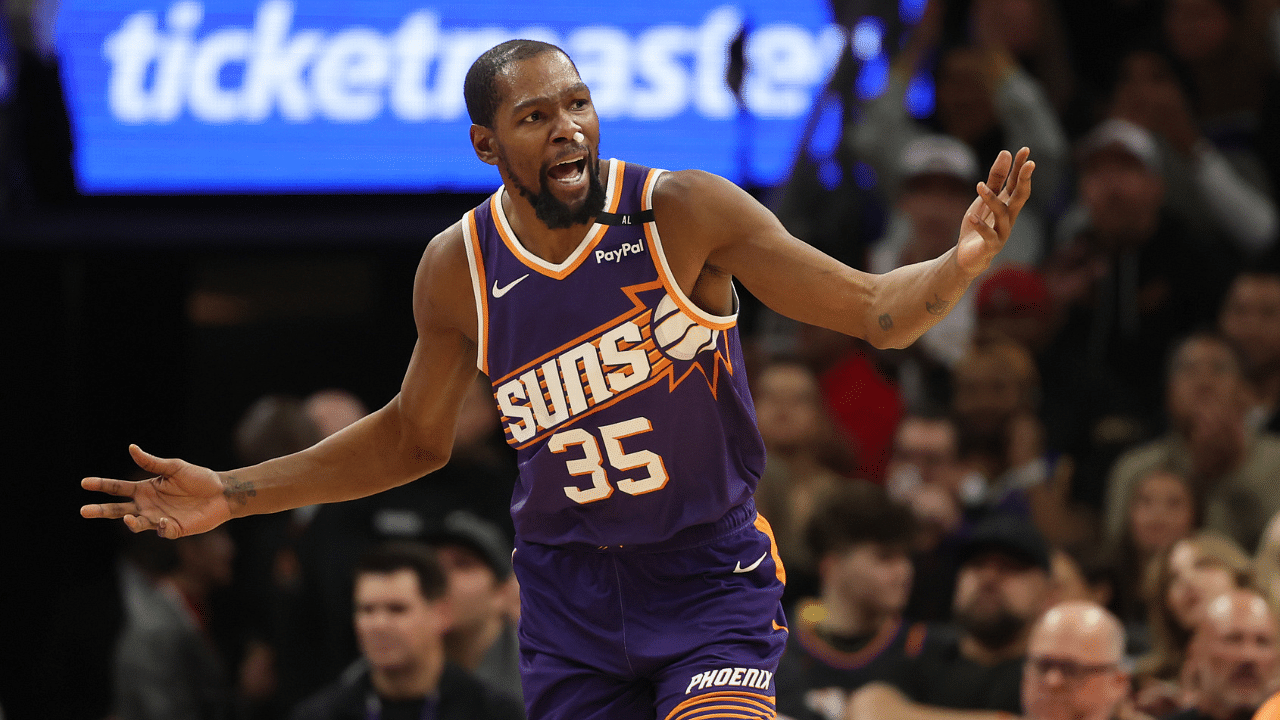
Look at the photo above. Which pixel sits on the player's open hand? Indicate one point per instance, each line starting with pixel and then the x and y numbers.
pixel 989 220
pixel 183 499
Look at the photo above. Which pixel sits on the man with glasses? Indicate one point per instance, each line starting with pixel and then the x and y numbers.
pixel 1073 669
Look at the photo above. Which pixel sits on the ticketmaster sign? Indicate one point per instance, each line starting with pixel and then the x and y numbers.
pixel 350 96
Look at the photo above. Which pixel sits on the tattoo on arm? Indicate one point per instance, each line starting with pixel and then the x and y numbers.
pixel 238 493
pixel 938 306
pixel 886 322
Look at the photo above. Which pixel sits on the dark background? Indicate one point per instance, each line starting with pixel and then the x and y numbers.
pixel 157 321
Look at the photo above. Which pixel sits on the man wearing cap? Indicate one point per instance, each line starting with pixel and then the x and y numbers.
pixel 1130 277
pixel 937 175
pixel 484 595
pixel 1002 588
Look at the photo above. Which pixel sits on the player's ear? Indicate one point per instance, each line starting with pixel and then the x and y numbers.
pixel 483 142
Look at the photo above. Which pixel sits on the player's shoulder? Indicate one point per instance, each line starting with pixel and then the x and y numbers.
pixel 683 185
pixel 448 247
pixel 695 196
pixel 442 286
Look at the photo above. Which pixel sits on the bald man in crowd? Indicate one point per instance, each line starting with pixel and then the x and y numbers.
pixel 1233 658
pixel 1073 671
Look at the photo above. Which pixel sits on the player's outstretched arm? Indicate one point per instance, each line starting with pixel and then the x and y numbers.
pixel 739 237
pixel 409 437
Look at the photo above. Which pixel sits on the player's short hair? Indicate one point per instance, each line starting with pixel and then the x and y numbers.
pixel 415 557
pixel 480 89
pixel 855 513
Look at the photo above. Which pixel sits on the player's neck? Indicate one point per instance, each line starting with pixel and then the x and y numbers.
pixel 408 682
pixel 552 245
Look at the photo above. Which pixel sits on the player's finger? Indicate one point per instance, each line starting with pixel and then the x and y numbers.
pixel 122 488
pixel 1000 169
pixel 1022 190
pixel 138 523
pixel 108 510
pixel 997 208
pixel 161 466
pixel 980 226
pixel 169 529
pixel 1015 172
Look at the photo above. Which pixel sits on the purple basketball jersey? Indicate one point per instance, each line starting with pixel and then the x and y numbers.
pixel 627 404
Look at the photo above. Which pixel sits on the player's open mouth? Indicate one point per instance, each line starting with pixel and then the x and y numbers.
pixel 569 172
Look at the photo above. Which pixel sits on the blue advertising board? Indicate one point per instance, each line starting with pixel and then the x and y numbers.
pixel 259 96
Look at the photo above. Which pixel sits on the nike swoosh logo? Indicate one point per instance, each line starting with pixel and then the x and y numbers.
pixel 500 291
pixel 752 566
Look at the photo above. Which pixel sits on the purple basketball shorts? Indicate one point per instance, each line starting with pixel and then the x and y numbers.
pixel 690 629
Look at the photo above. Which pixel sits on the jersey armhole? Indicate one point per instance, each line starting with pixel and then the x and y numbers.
pixel 702 317
pixel 475 264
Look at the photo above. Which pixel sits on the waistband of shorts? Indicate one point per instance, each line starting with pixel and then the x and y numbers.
pixel 692 536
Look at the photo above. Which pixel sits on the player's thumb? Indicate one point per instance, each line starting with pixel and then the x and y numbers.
pixel 153 464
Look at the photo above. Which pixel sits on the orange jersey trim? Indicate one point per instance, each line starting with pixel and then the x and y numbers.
pixel 763 526
pixel 761 706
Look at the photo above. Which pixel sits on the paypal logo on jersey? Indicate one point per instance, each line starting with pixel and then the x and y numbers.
pixel 623 250
pixel 325 94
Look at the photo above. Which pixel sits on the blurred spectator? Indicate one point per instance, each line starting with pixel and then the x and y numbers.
pixel 1081 406
pixel 1162 509
pixel 985 100
pixel 478 478
pixel 401 614
pixel 266 567
pixel 864 402
pixel 938 175
pixel 485 598
pixel 1250 318
pixel 1032 33
pixel 995 397
pixel 1081 572
pixel 926 475
pixel 1220 191
pixel 804 462
pixel 167 666
pixel 1133 279
pixel 1074 668
pixel 1180 582
pixel 1002 589
pixel 1222 45
pixel 1231 467
pixel 854 632
pixel 1014 302
pixel 1266 563
pixel 1234 659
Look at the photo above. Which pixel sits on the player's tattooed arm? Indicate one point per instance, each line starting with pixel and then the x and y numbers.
pixel 886 322
pixel 938 306
pixel 238 492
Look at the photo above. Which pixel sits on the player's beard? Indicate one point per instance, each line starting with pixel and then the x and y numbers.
pixel 556 214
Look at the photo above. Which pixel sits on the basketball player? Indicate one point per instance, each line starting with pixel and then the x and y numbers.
pixel 598 297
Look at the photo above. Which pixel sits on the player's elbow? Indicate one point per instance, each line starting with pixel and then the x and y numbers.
pixel 427 457
pixel 886 335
